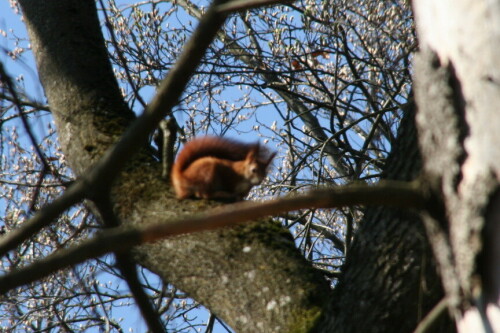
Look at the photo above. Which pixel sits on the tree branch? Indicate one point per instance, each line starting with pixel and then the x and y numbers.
pixel 390 193
pixel 128 269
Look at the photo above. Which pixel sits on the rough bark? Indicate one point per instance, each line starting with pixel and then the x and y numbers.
pixel 389 281
pixel 251 276
pixel 457 88
pixel 82 91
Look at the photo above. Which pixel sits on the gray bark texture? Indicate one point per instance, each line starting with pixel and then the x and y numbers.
pixel 457 88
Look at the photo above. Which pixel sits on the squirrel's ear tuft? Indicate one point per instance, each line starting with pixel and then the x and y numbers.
pixel 271 156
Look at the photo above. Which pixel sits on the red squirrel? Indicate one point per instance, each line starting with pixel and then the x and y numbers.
pixel 212 167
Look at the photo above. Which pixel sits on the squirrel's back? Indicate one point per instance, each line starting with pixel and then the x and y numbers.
pixel 213 146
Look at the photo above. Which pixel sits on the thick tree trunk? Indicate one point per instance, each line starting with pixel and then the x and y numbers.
pixel 251 276
pixel 389 281
pixel 457 88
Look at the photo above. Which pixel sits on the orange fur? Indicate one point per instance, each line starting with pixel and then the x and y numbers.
pixel 218 168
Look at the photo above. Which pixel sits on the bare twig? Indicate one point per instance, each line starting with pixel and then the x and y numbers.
pixel 41 156
pixel 210 324
pixel 74 194
pixel 168 130
pixel 37 106
pixel 121 57
pixel 240 5
pixel 129 271
pixel 431 317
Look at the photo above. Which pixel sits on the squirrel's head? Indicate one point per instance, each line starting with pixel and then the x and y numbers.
pixel 257 161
